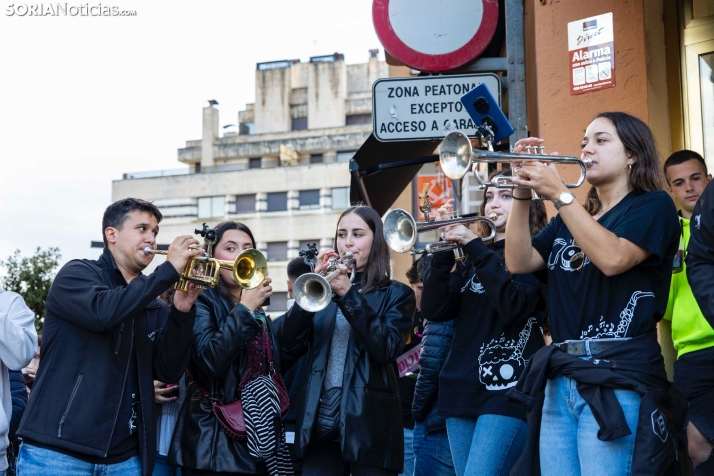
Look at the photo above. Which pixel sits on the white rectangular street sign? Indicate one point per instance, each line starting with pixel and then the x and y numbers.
pixel 426 107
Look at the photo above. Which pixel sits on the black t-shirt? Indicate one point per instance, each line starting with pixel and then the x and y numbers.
pixel 586 304
pixel 498 327
pixel 125 439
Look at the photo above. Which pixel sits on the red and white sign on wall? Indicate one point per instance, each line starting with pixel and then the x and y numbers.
pixel 435 36
pixel 591 53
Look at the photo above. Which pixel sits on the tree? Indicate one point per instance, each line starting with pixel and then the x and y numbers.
pixel 31 278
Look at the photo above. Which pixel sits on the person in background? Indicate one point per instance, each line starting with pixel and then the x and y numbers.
pixel 693 337
pixel 296 268
pixel 30 372
pixel 408 368
pixel 296 377
pixel 19 402
pixel 169 398
pixel 432 455
pixel 18 341
pixel 700 273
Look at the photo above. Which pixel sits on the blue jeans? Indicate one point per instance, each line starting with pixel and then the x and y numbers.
pixel 568 434
pixel 34 461
pixel 408 453
pixel 161 468
pixel 432 455
pixel 489 445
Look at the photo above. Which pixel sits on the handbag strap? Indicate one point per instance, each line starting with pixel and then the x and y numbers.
pixel 203 390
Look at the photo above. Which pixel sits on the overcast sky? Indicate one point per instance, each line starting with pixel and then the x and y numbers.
pixel 84 99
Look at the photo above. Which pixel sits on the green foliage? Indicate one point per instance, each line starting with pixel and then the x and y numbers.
pixel 31 278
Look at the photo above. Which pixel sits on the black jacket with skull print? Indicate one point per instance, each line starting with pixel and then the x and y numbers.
pixel 498 327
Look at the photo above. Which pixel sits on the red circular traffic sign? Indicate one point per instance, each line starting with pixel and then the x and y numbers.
pixel 435 36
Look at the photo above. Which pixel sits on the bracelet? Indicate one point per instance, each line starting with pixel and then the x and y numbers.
pixel 523 199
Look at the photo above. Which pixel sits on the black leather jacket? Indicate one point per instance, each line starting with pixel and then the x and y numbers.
pixel 371 421
pixel 436 345
pixel 218 360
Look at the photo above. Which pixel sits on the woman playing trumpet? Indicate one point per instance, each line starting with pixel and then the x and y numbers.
pixel 499 321
pixel 349 417
pixel 609 265
pixel 230 339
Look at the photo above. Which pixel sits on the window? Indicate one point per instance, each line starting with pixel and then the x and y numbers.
pixel 245 203
pixel 298 124
pixel 254 163
pixel 278 302
pixel 309 199
pixel 246 129
pixel 212 207
pixel 277 201
pixel 354 119
pixel 345 156
pixel 340 198
pixel 278 251
pixel 315 158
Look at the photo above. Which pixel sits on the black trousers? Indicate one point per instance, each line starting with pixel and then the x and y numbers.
pixel 326 460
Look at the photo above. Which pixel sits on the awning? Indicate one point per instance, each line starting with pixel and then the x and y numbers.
pixel 381 170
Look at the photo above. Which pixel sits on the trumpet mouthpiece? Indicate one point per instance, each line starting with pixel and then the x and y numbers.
pixel 348 255
pixel 148 250
pixel 587 161
pixel 492 216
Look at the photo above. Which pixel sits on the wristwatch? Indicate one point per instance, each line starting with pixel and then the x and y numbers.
pixel 565 198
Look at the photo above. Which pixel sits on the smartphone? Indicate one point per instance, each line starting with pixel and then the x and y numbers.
pixel 175 393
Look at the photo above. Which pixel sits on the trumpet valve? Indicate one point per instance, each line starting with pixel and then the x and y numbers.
pixel 529 149
pixel 541 150
pixel 587 161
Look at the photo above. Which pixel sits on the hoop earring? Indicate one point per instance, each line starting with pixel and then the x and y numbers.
pixel 630 167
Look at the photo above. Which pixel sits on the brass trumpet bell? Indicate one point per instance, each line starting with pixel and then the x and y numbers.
pixel 249 270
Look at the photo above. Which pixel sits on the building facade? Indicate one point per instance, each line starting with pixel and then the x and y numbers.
pixel 284 173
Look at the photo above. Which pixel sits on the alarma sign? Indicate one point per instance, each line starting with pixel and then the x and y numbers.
pixel 591 53
pixel 426 107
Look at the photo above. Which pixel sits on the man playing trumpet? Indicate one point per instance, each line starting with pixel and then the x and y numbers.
pixel 106 338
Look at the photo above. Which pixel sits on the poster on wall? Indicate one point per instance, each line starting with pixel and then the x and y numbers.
pixel 591 54
pixel 439 190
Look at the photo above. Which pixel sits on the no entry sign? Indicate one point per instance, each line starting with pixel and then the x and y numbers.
pixel 435 36
pixel 427 107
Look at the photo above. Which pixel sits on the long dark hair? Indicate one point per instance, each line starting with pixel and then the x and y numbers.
pixel 377 270
pixel 646 173
pixel 220 230
pixel 537 216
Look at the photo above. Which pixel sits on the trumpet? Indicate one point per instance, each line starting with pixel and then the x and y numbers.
pixel 400 231
pixel 249 269
pixel 312 290
pixel 457 157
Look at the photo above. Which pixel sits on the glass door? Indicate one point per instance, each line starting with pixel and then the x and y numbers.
pixel 698 77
